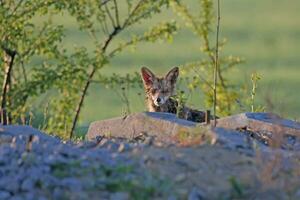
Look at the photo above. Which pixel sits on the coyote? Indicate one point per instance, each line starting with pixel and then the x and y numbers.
pixel 160 92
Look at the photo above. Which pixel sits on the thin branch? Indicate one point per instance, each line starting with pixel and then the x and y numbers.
pixel 106 26
pixel 104 2
pixel 9 60
pixel 113 52
pixel 103 22
pixel 203 79
pixel 34 46
pixel 103 27
pixel 92 34
pixel 110 37
pixel 24 71
pixel 33 10
pixel 17 6
pixel 132 13
pixel 116 30
pixel 117 13
pixel 216 63
pixel 110 16
pixel 90 78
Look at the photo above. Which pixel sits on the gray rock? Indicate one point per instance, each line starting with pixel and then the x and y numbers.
pixel 235 140
pixel 28 184
pixel 73 184
pixel 153 123
pixel 297 194
pixel 4 194
pixel 120 196
pixel 58 193
pixel 266 122
pixel 9 183
pixel 5 138
pixel 30 195
pixel 196 194
pixel 17 197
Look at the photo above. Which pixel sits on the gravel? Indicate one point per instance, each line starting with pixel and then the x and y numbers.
pixel 115 168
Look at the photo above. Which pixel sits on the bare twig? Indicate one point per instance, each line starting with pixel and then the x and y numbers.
pixel 103 27
pixel 24 71
pixel 17 7
pixel 116 30
pixel 29 143
pixel 34 45
pixel 105 2
pixel 9 56
pixel 216 64
pixel 202 78
pixel 35 8
pixel 89 80
pixel 117 13
pixel 110 37
pixel 127 21
pixel 207 117
pixel 110 16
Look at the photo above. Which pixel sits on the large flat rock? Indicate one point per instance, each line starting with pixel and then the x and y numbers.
pixel 153 123
pixel 260 122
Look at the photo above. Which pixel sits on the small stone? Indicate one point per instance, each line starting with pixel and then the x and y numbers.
pixel 121 148
pixel 5 139
pixel 42 198
pixel 27 185
pixel 72 183
pixel 120 196
pixel 180 177
pixel 196 194
pixel 9 184
pixel 16 198
pixel 58 193
pixel 172 197
pixel 30 196
pixel 297 194
pixel 4 194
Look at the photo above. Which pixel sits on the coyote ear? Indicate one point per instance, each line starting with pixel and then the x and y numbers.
pixel 148 76
pixel 172 75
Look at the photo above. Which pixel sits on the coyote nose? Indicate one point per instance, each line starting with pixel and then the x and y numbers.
pixel 158 100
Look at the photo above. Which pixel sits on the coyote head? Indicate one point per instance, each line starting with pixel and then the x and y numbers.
pixel 158 89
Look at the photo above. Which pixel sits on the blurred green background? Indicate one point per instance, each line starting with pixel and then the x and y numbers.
pixel 266 33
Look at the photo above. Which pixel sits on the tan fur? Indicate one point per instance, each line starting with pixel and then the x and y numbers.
pixel 159 91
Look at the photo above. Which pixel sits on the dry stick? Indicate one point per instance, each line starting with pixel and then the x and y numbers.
pixel 202 78
pixel 207 117
pixel 89 80
pixel 105 2
pixel 110 16
pixel 117 13
pixel 16 7
pixel 91 75
pixel 9 61
pixel 216 64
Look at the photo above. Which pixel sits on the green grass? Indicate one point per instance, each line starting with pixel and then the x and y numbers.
pixel 265 33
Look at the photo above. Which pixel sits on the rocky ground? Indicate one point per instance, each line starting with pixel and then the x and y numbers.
pixel 34 165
